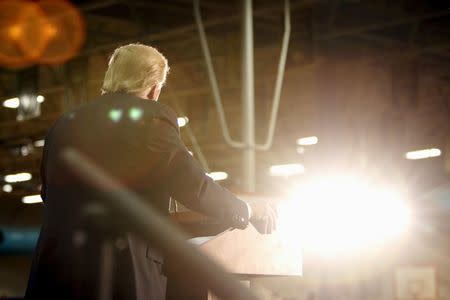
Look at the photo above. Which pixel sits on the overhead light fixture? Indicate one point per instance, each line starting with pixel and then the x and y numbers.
pixel 7 188
pixel 11 103
pixel 32 199
pixel 286 170
pixel 308 141
pixel 216 176
pixel 26 150
pixel 19 177
pixel 182 121
pixel 15 102
pixel 15 31
pixel 421 154
pixel 39 143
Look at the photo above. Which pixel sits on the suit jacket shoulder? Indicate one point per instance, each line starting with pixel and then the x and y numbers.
pixel 155 109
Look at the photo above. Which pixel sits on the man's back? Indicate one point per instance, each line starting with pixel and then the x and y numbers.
pixel 134 139
pixel 117 133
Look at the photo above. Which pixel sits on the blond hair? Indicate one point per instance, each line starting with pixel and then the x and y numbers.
pixel 134 69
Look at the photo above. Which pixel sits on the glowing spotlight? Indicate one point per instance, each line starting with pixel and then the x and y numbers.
pixel 182 121
pixel 15 32
pixel 11 103
pixel 421 154
pixel 50 30
pixel 286 170
pixel 308 141
pixel 15 102
pixel 7 188
pixel 216 176
pixel 32 199
pixel 25 150
pixel 19 177
pixel 39 143
pixel 342 215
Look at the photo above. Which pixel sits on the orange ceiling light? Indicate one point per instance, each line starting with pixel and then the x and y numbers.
pixel 66 29
pixel 32 41
pixel 11 31
pixel 43 32
pixel 15 31
pixel 50 31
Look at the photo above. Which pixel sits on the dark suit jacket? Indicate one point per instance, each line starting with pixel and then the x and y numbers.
pixel 137 142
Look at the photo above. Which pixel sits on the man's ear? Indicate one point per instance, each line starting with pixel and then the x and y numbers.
pixel 154 92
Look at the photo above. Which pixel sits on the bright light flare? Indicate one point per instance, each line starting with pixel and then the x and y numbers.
pixel 421 154
pixel 216 176
pixel 50 30
pixel 182 121
pixel 39 143
pixel 308 141
pixel 32 199
pixel 7 188
pixel 19 177
pixel 286 170
pixel 11 103
pixel 15 31
pixel 15 102
pixel 338 216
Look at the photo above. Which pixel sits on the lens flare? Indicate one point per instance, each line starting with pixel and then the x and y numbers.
pixel 15 31
pixel 115 115
pixel 340 215
pixel 135 113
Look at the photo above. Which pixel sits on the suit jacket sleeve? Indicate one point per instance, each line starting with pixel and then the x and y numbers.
pixel 187 181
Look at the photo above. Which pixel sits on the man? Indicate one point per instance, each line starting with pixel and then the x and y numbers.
pixel 136 140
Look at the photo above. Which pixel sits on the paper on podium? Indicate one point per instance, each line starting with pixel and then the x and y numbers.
pixel 247 252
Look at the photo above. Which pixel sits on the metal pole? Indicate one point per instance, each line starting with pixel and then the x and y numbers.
pixel 248 98
pixel 212 78
pixel 279 82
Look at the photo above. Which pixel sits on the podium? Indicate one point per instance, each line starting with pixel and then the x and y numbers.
pixel 245 253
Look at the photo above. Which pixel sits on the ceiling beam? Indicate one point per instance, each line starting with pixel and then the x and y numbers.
pixel 192 28
pixel 109 25
pixel 93 6
pixel 160 6
pixel 355 30
pixel 441 49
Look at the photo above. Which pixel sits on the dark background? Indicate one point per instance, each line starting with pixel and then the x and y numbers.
pixel 369 78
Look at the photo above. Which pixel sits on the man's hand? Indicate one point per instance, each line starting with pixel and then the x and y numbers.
pixel 263 216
